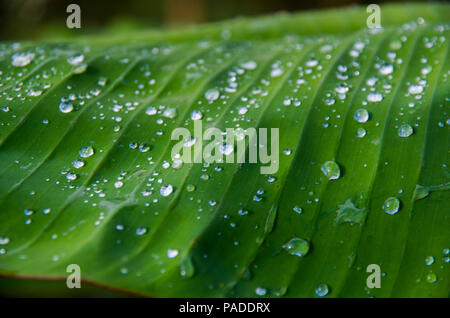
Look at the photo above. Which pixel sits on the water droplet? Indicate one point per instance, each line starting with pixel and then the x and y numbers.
pixel 360 132
pixel 187 269
pixel 261 291
pixel 78 163
pixel 405 130
pixel 118 184
pixel 322 290
pixel 242 110
pixel 171 253
pixel 297 247
pixel 22 59
pixel 298 209
pixel 276 72
pixel 151 110
pixel 429 260
pixel 331 170
pixel 170 113
pixel 86 151
pixel 386 69
pixel 75 60
pixel 141 230
pixel 28 212
pixel 166 190
pixel 374 97
pixel 391 205
pixel 415 89
pixel 431 277
pixel 71 176
pixel 4 240
pixel 196 115
pixel 65 107
pixel 250 65
pixel 243 212
pixel 143 147
pixel 212 94
pixel 190 188
pixel 361 115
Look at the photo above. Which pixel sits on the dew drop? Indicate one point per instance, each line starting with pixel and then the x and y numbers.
pixel 212 94
pixel 429 260
pixel 22 59
pixel 374 97
pixel 196 115
pixel 297 247
pixel 331 170
pixel 360 132
pixel 78 163
pixel 171 253
pixel 391 205
pixel 4 240
pixel 65 107
pixel 141 231
pixel 405 130
pixel 322 290
pixel 166 190
pixel 361 115
pixel 86 151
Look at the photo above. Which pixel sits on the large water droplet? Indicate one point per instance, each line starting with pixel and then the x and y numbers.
pixel 391 205
pixel 65 107
pixel 86 151
pixel 212 94
pixel 297 247
pixel 361 115
pixel 405 130
pixel 331 170
pixel 166 190
pixel 22 59
pixel 322 290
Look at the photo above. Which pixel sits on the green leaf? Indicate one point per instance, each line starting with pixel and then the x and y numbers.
pixel 87 175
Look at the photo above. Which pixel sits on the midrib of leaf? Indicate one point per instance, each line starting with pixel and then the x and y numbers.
pixel 187 251
pixel 347 116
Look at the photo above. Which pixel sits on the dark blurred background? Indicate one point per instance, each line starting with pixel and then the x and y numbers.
pixel 34 19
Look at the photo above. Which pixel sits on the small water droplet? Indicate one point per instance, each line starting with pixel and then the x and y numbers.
pixel 141 231
pixel 196 115
pixel 322 290
pixel 360 132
